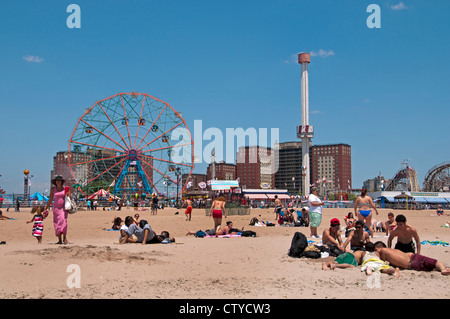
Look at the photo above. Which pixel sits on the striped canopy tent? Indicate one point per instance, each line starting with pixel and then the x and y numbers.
pixel 99 194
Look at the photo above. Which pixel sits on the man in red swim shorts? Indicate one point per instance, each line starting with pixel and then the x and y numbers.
pixel 188 211
pixel 409 260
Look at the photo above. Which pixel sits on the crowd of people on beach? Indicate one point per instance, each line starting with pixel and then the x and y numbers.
pixel 359 250
pixel 351 243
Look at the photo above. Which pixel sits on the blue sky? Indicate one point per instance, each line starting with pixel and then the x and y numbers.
pixel 230 64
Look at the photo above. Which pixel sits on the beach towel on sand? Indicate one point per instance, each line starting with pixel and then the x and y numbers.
pixel 374 263
pixel 222 236
pixel 435 243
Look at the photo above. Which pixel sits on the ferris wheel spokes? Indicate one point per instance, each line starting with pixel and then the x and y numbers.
pixel 97 160
pixel 154 168
pixel 117 130
pixel 163 134
pixel 140 123
pixel 167 161
pixel 107 170
pixel 97 146
pixel 91 126
pixel 150 128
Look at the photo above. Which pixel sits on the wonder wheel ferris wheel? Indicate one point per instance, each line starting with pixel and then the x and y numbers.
pixel 131 143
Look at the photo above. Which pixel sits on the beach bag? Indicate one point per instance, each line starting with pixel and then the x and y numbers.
pixel 248 233
pixel 335 251
pixel 298 245
pixel 200 234
pixel 69 205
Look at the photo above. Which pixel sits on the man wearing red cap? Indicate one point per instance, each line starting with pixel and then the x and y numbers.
pixel 332 235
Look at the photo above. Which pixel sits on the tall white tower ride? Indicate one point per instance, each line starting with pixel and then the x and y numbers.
pixel 305 131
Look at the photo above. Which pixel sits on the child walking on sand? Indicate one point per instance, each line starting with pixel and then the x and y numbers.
pixel 38 219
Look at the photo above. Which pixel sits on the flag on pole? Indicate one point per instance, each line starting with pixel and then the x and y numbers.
pixel 113 183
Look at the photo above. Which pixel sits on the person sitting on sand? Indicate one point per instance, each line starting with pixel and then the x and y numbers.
pixel 117 223
pixel 358 237
pixel 371 262
pixel 332 235
pixel 287 216
pixel 409 260
pixel 405 234
pixel 345 260
pixel 144 233
pixel 227 230
pixel 136 219
pixel 440 211
pixel 124 237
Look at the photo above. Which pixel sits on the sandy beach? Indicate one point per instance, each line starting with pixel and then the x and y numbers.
pixel 199 268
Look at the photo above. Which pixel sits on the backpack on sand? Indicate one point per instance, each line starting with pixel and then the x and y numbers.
pixel 298 245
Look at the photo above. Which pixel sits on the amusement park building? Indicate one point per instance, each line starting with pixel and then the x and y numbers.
pixel 432 199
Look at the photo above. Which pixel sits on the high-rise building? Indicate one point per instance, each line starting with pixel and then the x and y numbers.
pixel 289 174
pixel 78 174
pixel 331 167
pixel 255 167
pixel 222 171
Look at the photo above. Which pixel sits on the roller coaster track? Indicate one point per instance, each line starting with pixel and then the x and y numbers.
pixel 437 178
pixel 405 180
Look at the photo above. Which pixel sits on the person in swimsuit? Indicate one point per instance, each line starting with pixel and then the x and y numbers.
pixel 410 261
pixel 217 207
pixel 358 237
pixel 362 209
pixel 405 234
pixel 188 211
pixel 332 235
pixel 278 207
pixel 227 230
pixel 390 224
pixel 371 262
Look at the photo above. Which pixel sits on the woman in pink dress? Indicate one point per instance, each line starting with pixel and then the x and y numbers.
pixel 59 214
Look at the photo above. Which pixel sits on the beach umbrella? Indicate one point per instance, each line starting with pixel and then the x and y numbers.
pixel 98 194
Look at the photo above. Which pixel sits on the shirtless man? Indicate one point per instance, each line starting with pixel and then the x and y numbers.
pixel 278 207
pixel 358 237
pixel 390 224
pixel 217 208
pixel 409 260
pixel 332 235
pixel 188 211
pixel 405 234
